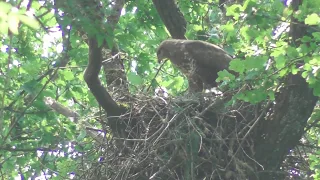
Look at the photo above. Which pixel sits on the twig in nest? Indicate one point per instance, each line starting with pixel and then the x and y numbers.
pixel 196 129
pixel 249 131
pixel 165 166
pixel 154 78
pixel 215 103
pixel 169 123
pixel 111 58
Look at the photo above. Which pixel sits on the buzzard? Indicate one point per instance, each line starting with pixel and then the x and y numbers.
pixel 199 61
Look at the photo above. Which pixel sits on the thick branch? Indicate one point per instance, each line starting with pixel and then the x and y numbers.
pixel 99 92
pixel 93 82
pixel 65 111
pixel 172 17
pixel 294 105
pixel 113 67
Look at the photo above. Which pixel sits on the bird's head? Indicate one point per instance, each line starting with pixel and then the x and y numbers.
pixel 161 54
pixel 166 50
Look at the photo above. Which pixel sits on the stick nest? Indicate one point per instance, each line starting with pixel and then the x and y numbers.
pixel 189 137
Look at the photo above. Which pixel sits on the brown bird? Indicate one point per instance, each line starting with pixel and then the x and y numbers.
pixel 199 61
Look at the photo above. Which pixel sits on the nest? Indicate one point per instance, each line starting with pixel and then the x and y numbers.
pixel 190 137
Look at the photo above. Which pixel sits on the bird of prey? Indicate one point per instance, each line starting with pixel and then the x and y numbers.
pixel 199 61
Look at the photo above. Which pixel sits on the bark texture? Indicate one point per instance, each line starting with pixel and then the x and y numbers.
pixel 172 17
pixel 114 70
pixel 282 131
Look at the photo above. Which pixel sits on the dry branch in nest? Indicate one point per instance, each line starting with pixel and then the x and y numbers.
pixel 193 137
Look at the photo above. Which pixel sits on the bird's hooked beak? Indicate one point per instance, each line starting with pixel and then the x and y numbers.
pixel 160 56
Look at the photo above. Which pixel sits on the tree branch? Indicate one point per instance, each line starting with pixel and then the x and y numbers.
pixel 93 82
pixel 172 17
pixel 294 104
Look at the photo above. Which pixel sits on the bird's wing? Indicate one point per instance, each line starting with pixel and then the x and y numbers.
pixel 208 55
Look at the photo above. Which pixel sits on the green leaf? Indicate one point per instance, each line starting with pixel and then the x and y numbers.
pixel 109 41
pixel 67 75
pixel 48 129
pixel 229 49
pixel 271 95
pixel 312 19
pixel 14 174
pixel 304 49
pixel 82 135
pixel 253 96
pixel 69 134
pixel 237 66
pixel 306 39
pixel 315 61
pixel 31 67
pixel 29 21
pixel 292 52
pixel 4 8
pixel 100 39
pixel 13 21
pixel 29 86
pixel 280 61
pixel 294 70
pixel 283 72
pixel 305 74
pixel 245 33
pixel 255 62
pixel 316 89
pixel 9 165
pixel 234 10
pixel 225 76
pixel 229 27
pixel 66 166
pixel 177 83
pixel 22 160
pixel 4 27
pixel 251 74
pixel 135 79
pixel 316 35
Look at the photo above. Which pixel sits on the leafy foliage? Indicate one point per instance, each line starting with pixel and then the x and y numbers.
pixel 10 19
pixel 34 139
